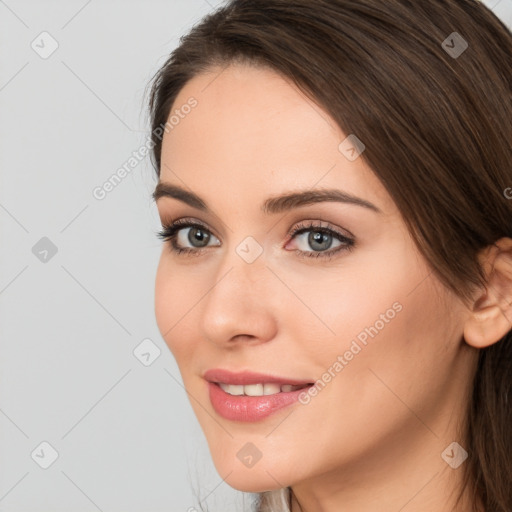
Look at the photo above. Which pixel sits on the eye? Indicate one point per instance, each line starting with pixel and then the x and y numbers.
pixel 320 239
pixel 184 231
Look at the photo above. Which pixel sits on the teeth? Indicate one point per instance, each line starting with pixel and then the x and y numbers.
pixel 253 390
pixel 232 389
pixel 271 389
pixel 257 389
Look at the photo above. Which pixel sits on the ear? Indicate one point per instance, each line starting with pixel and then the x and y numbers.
pixel 491 314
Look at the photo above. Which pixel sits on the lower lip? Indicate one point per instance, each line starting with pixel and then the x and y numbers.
pixel 249 408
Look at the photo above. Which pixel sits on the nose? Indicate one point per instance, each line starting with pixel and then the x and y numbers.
pixel 239 306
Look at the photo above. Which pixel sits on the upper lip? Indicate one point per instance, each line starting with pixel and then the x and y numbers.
pixel 248 377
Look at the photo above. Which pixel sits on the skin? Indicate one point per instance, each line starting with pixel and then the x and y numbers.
pixel 372 438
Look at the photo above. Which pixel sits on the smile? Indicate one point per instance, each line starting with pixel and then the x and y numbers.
pixel 250 396
pixel 259 389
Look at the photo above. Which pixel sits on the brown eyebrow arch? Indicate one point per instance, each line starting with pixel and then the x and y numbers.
pixel 272 205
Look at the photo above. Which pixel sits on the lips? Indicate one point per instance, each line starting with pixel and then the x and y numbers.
pixel 249 396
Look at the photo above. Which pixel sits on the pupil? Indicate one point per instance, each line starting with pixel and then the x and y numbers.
pixel 316 237
pixel 197 235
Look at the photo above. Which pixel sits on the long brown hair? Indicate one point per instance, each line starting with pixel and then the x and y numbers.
pixel 434 110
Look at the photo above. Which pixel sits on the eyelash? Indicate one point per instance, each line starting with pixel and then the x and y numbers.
pixel 170 231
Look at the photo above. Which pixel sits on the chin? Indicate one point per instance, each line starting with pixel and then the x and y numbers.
pixel 245 481
pixel 252 479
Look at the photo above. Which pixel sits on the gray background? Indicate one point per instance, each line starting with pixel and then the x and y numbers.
pixel 125 434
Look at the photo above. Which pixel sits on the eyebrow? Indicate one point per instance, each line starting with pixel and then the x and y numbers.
pixel 272 205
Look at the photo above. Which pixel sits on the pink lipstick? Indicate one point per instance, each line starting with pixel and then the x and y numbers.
pixel 249 396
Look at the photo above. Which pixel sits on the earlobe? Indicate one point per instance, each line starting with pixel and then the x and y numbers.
pixel 491 315
pixel 486 327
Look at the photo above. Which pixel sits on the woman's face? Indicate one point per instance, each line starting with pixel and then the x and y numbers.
pixel 364 319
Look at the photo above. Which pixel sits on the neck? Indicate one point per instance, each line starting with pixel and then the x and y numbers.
pixel 396 475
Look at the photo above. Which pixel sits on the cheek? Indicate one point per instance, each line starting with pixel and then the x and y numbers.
pixel 403 360
pixel 173 299
pixel 163 298
pixel 389 322
pixel 397 323
pixel 357 300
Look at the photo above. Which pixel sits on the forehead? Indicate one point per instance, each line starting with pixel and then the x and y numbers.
pixel 252 127
pixel 251 105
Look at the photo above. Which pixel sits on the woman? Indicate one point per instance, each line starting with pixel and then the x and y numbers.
pixel 336 280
